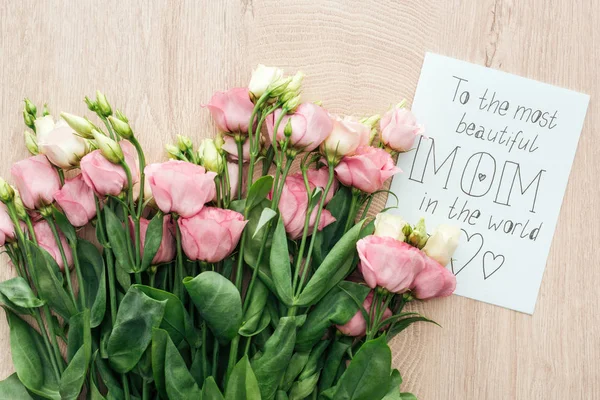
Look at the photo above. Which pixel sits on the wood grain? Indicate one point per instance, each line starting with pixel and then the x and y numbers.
pixel 160 60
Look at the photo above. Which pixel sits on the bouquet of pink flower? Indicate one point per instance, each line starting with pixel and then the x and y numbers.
pixel 218 274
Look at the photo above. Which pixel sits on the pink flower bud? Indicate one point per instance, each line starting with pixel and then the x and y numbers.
pixel 180 187
pixel 106 178
pixel 7 229
pixel 357 326
pixel 166 250
pixel 46 241
pixel 292 206
pixel 76 199
pixel 433 281
pixel 389 263
pixel 310 124
pixel 212 234
pixel 231 110
pixel 37 181
pixel 399 129
pixel 367 169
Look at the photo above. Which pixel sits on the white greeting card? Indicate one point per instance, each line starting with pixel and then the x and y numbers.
pixel 496 162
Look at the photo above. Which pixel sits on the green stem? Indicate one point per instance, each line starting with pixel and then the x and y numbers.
pixel 110 267
pixel 54 356
pixel 215 363
pixel 31 230
pixel 240 149
pixel 178 287
pixel 146 390
pixel 111 133
pixel 279 188
pixel 82 296
pixel 38 319
pixel 353 210
pixel 255 270
pixel 233 350
pixel 315 229
pixel 142 165
pixel 61 175
pixel 204 349
pixel 64 259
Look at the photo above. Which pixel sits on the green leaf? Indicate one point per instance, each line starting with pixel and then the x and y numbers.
pixel 11 389
pixel 266 215
pixel 176 320
pixel 94 280
pixel 269 367
pixel 30 359
pixel 339 206
pixel 24 353
pixel 197 369
pixel 407 396
pixel 368 375
pixel 123 278
pixel 333 361
pixel 17 290
pixel 314 363
pixel 210 390
pixel 74 375
pixel 394 389
pixel 64 225
pixel 336 308
pixel 304 387
pixel 159 348
pixel 405 323
pixel 253 244
pixel 138 315
pixel 153 240
pixel 259 191
pixel 50 288
pixel 218 302
pixel 79 333
pixel 329 273
pixel 293 370
pixel 281 268
pixel 118 240
pixel 6 303
pixel 242 384
pixel 179 383
pixel 257 316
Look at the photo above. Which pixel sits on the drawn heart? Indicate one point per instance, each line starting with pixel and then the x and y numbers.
pixel 473 245
pixel 481 177
pixel 491 263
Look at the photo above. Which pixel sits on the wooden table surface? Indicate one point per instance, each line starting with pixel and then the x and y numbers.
pixel 159 61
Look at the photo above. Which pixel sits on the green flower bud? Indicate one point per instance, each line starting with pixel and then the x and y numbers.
pixel 121 116
pixel 184 143
pixel 30 108
pixel 174 152
pixel 287 131
pixel 31 143
pixel 28 119
pixel 279 87
pixel 296 82
pixel 293 103
pixel 122 128
pixel 418 237
pixel 210 156
pixel 7 193
pixel 19 206
pixel 92 105
pixel 79 124
pixel 103 106
pixel 110 149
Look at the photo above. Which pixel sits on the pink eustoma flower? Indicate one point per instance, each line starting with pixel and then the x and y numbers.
pixel 367 169
pixel 180 187
pixel 45 238
pixel 389 263
pixel 106 178
pixel 212 234
pixel 310 123
pixel 7 229
pixel 37 181
pixel 399 129
pixel 433 281
pixel 357 326
pixel 231 110
pixel 292 206
pixel 76 199
pixel 166 250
